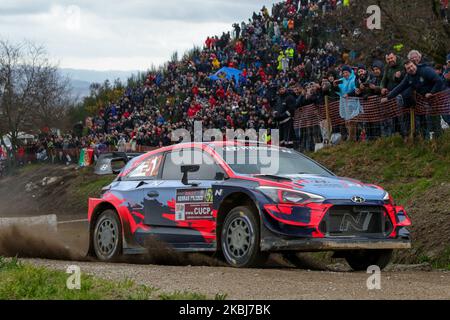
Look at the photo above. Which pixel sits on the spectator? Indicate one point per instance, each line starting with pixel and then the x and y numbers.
pixel 393 73
pixel 284 50
pixel 284 111
pixel 425 81
pixel 347 88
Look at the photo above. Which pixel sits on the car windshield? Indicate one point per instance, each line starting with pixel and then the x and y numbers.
pixel 255 160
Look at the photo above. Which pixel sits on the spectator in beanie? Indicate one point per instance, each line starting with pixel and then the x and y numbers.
pixel 347 84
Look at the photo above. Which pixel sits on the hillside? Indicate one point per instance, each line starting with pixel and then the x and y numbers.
pixel 417 175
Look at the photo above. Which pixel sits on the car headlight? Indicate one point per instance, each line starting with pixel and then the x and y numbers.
pixel 280 195
pixel 387 198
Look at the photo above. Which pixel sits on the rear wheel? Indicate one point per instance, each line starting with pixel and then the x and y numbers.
pixel 107 237
pixel 360 260
pixel 240 239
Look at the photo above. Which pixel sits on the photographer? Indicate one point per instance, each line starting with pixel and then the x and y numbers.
pixel 328 88
pixel 367 83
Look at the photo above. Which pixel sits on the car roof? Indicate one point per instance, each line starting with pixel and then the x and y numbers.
pixel 212 145
pixel 219 144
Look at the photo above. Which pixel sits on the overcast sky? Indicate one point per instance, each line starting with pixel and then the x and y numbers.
pixel 119 35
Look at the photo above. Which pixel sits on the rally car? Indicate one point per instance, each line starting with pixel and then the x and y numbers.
pixel 229 198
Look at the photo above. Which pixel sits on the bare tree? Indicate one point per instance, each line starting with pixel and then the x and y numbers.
pixel 33 95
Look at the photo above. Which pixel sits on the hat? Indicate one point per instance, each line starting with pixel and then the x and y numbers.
pixel 377 64
pixel 346 68
pixel 361 66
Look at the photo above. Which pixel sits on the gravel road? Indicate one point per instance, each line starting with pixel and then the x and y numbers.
pixel 270 283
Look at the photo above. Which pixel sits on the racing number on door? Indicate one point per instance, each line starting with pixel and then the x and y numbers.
pixel 149 168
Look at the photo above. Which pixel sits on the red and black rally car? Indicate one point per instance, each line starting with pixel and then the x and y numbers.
pixel 230 198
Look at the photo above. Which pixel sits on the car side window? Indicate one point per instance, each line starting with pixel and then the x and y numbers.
pixel 208 168
pixel 147 169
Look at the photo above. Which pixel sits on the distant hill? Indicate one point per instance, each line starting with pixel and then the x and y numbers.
pixel 82 79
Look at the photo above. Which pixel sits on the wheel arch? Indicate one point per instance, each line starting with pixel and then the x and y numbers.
pixel 233 200
pixel 98 210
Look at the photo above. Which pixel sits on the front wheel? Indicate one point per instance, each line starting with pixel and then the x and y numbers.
pixel 107 237
pixel 360 260
pixel 240 239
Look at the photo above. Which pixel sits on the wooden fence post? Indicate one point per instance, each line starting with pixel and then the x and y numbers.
pixel 413 123
pixel 327 115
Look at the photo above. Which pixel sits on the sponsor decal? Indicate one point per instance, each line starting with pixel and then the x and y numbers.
pixel 359 223
pixel 194 204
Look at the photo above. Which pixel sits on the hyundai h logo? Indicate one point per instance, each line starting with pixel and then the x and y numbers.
pixel 357 199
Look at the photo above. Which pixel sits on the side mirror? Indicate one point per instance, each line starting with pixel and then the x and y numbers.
pixel 185 170
pixel 220 176
pixel 117 165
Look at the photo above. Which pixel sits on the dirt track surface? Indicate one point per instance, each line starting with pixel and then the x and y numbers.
pixel 270 283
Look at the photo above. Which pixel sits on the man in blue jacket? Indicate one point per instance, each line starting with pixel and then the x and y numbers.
pixel 423 80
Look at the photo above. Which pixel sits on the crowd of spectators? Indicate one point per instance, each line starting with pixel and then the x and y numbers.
pixel 285 62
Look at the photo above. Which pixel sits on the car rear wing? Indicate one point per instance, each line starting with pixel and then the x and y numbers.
pixel 103 165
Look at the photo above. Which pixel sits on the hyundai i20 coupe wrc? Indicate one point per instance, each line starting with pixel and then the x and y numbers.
pixel 230 204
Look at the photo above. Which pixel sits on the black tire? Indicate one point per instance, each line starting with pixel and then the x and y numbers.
pixel 294 259
pixel 360 260
pixel 107 236
pixel 302 261
pixel 240 239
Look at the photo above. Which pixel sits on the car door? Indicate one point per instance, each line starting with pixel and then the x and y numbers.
pixel 182 215
pixel 134 184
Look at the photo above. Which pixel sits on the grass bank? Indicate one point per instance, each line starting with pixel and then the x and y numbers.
pixel 24 281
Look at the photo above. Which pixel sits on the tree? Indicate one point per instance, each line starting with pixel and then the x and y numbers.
pixel 33 95
pixel 416 24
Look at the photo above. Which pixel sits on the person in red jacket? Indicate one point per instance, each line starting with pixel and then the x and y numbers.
pixel 262 74
pixel 230 121
pixel 220 93
pixel 208 42
pixel 195 90
pixel 194 109
pixel 239 48
pixel 212 102
pixel 21 155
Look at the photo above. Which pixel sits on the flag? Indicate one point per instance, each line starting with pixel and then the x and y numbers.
pixel 86 157
pixel 227 73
